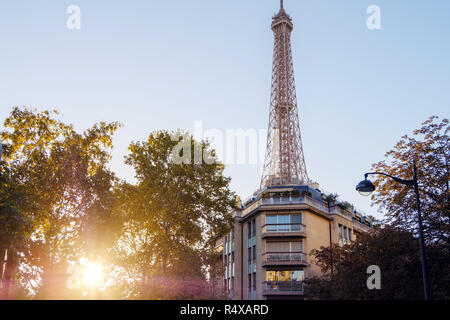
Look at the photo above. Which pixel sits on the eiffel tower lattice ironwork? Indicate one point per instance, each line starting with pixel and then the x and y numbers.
pixel 284 161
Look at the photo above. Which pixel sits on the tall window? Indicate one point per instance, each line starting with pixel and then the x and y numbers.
pixel 345 234
pixel 251 244
pixel 253 228
pixel 228 259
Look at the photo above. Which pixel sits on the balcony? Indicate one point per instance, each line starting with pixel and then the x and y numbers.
pixel 360 226
pixel 295 200
pixel 284 259
pixel 283 288
pixel 284 230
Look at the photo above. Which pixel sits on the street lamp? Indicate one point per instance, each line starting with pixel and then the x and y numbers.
pixel 366 187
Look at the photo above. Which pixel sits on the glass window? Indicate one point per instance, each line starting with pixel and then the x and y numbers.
pixel 283 223
pixel 284 275
pixel 271 219
pixel 297 275
pixel 271 275
pixel 296 218
pixel 271 222
pixel 283 219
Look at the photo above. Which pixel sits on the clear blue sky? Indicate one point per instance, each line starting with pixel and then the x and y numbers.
pixel 163 64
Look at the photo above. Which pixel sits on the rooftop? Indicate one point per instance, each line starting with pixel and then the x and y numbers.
pixel 302 195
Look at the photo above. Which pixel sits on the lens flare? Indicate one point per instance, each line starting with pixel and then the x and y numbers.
pixel 93 274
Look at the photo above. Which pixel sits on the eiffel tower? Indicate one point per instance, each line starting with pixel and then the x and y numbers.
pixel 284 162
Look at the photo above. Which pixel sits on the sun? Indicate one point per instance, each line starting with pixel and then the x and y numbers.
pixel 93 274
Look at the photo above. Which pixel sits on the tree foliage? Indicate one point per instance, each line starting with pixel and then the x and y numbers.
pixel 395 251
pixel 64 176
pixel 394 247
pixel 173 214
pixel 429 146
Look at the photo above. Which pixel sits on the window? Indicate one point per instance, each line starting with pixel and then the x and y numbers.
pixel 271 222
pixel 285 275
pixel 283 223
pixel 253 228
pixel 345 234
pixel 341 235
pixel 297 275
pixel 254 281
pixel 284 246
pixel 296 218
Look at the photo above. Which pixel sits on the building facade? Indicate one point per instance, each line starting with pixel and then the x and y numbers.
pixel 266 254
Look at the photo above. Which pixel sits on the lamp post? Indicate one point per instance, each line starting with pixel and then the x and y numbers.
pixel 366 187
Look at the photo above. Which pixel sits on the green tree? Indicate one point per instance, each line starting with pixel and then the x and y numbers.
pixel 64 175
pixel 172 215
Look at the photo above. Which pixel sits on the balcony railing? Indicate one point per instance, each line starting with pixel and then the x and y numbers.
pixel 288 287
pixel 284 257
pixel 284 227
pixel 293 200
pixel 360 226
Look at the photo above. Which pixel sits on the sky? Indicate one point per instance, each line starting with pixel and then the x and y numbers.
pixel 165 64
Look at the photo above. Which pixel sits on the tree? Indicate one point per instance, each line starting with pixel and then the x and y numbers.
pixel 429 146
pixel 394 246
pixel 15 227
pixel 64 174
pixel 174 212
pixel 395 251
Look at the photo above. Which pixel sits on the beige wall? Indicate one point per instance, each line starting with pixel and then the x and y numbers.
pixel 318 228
pixel 317 235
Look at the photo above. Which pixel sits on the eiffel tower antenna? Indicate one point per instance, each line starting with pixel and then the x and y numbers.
pixel 284 162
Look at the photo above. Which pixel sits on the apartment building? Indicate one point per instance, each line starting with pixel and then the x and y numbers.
pixel 266 254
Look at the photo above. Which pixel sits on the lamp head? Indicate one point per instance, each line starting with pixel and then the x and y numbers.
pixel 365 187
